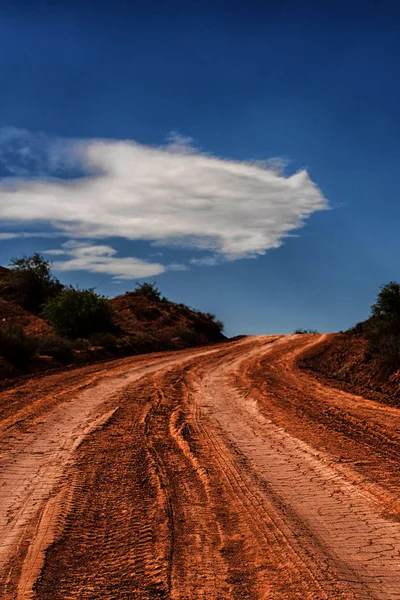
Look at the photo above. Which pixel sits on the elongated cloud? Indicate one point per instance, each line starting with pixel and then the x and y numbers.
pixel 170 195
pixel 102 259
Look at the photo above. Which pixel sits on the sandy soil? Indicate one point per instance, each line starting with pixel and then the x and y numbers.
pixel 216 473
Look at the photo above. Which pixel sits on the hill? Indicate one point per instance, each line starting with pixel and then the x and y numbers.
pixel 137 315
pixel 31 324
pixel 142 321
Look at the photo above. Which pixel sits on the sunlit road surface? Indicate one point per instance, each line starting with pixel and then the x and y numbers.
pixel 218 473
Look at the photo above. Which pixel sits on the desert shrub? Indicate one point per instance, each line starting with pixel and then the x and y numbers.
pixel 382 329
pixel 186 335
pixel 358 328
pixel 80 344
pixel 383 337
pixel 106 340
pixel 206 325
pixel 183 310
pixel 144 342
pixel 306 331
pixel 166 340
pixel 149 291
pixel 146 313
pixel 57 347
pixel 79 313
pixel 29 282
pixel 15 346
pixel 387 305
pixel 167 320
pixel 219 326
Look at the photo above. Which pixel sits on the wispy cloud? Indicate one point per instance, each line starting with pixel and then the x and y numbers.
pixel 81 256
pixel 171 195
pixel 31 234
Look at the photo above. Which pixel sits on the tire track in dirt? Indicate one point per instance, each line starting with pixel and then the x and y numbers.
pixel 361 546
pixel 116 542
pixel 217 535
pixel 212 480
pixel 362 436
pixel 37 457
pixel 161 538
pixel 277 565
pixel 197 568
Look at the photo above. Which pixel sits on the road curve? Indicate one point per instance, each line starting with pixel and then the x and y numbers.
pixel 215 473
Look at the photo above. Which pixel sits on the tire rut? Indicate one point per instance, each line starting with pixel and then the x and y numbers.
pixel 212 480
pixel 361 545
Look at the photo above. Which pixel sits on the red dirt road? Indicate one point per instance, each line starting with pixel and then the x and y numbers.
pixel 215 473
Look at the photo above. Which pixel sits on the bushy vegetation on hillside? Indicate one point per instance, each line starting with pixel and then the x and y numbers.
pixel 30 283
pixel 57 347
pixel 382 328
pixel 79 313
pixel 15 346
pixel 149 291
pixel 82 325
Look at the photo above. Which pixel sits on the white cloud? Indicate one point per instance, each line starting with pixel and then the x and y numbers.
pixel 30 234
pixel 171 195
pixel 8 236
pixel 55 252
pixel 103 259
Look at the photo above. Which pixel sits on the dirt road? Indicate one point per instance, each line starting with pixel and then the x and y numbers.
pixel 216 473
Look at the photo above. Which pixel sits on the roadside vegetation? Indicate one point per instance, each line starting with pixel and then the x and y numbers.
pixel 366 358
pixel 76 313
pixel 44 323
pixel 29 282
pixel 382 329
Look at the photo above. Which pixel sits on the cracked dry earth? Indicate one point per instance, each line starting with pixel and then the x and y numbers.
pixel 214 473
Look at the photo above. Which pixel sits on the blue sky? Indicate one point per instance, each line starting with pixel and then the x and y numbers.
pixel 108 95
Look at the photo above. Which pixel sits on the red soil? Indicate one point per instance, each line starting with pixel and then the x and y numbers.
pixel 219 473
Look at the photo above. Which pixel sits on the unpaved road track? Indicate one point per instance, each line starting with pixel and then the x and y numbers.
pixel 215 473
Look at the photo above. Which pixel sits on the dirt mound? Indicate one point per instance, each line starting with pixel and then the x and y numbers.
pixel 344 361
pixel 33 325
pixel 136 314
pixel 133 313
pixel 141 325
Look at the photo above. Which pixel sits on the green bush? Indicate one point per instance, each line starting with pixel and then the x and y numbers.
pixel 29 282
pixel 105 340
pixel 167 320
pixel 143 342
pixel 15 346
pixel 387 305
pixel 149 291
pixel 306 331
pixel 79 313
pixel 80 344
pixel 206 325
pixel 146 313
pixel 186 335
pixel 57 347
pixel 382 329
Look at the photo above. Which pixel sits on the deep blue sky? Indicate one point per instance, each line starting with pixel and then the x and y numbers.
pixel 316 86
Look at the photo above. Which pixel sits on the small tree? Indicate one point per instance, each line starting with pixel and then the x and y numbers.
pixel 30 282
pixel 15 346
pixel 382 329
pixel 387 306
pixel 148 290
pixel 79 313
